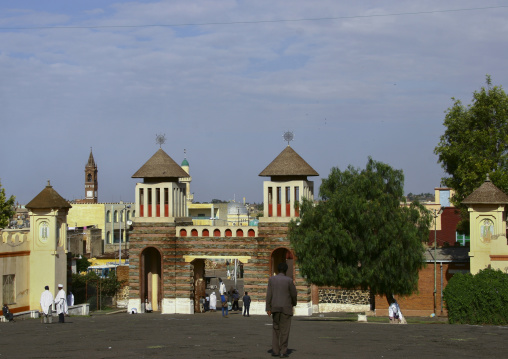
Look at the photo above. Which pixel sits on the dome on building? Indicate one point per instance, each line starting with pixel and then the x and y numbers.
pixel 185 162
pixel 236 208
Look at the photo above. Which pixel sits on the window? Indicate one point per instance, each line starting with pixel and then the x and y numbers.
pixel 108 216
pixel 9 289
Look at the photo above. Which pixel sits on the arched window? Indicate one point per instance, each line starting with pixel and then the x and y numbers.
pixel 89 177
pixel 228 233
pixel 194 232
pixel 108 216
pixel 239 233
pixel 252 233
pixel 108 236
pixel 183 233
pixel 116 216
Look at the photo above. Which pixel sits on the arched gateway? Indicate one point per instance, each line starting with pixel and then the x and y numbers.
pixel 167 265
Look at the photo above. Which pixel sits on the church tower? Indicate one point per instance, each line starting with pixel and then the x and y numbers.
pixel 91 185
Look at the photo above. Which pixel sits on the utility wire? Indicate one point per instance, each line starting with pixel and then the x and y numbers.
pixel 254 21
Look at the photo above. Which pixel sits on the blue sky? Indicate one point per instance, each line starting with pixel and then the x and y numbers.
pixel 81 74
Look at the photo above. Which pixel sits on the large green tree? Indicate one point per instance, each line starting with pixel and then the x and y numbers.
pixel 6 208
pixel 359 235
pixel 475 142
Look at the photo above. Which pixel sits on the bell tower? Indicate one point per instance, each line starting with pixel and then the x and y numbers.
pixel 91 185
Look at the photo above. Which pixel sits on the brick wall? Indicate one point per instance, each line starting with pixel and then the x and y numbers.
pixel 422 303
pixel 449 219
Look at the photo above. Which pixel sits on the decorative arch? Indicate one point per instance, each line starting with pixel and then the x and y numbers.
pixel 194 232
pixel 251 233
pixel 228 233
pixel 183 233
pixel 216 232
pixel 206 233
pixel 239 232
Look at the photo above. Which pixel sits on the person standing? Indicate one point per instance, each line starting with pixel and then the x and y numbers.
pixel 222 291
pixel 61 304
pixel 246 304
pixel 70 299
pixel 47 306
pixel 213 302
pixel 236 298
pixel 281 297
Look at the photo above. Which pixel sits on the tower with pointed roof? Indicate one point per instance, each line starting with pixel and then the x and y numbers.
pixel 48 242
pixel 288 184
pixel 187 180
pixel 487 220
pixel 160 195
pixel 91 183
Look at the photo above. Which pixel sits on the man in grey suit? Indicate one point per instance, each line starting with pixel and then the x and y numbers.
pixel 280 300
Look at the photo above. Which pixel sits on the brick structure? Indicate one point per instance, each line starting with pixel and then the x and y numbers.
pixel 446 236
pixel 448 262
pixel 167 251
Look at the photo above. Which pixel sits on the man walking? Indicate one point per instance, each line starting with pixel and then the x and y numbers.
pixel 280 300
pixel 61 303
pixel 47 306
pixel 246 304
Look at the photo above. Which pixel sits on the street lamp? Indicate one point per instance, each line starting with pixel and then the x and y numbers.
pixel 436 214
pixel 120 241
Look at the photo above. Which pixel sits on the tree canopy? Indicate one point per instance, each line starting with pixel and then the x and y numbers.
pixel 6 208
pixel 475 142
pixel 360 236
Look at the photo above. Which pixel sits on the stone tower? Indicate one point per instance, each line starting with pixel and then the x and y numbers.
pixel 48 242
pixel 287 186
pixel 91 183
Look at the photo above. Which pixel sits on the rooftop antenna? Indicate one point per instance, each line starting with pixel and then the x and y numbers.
pixel 288 136
pixel 160 139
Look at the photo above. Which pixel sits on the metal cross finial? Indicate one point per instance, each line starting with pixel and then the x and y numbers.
pixel 160 139
pixel 288 136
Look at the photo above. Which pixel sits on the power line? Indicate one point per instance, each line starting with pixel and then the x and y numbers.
pixel 254 21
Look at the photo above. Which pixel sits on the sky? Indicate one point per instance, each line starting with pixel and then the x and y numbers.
pixel 223 80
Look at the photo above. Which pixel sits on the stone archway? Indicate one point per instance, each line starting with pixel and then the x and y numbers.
pixel 282 255
pixel 151 277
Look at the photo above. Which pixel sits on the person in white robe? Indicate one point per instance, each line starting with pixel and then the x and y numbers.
pixel 47 306
pixel 70 299
pixel 213 302
pixel 61 304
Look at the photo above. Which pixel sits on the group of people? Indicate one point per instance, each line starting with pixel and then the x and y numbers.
pixel 60 302
pixel 47 301
pixel 229 300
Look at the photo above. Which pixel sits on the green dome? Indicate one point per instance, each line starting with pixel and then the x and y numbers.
pixel 184 162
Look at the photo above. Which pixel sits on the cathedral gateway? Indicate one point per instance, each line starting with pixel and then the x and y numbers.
pixel 167 252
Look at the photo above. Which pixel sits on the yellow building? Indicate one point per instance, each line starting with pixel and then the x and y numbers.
pixel 30 260
pixel 487 215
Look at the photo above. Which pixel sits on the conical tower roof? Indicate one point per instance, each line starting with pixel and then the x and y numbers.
pixel 487 193
pixel 48 198
pixel 288 163
pixel 91 161
pixel 160 165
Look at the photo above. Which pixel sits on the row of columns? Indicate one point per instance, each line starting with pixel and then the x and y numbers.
pixel 279 198
pixel 161 200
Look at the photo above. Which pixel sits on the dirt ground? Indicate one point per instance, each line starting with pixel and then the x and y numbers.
pixel 209 335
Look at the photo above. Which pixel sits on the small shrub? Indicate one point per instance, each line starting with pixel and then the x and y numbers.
pixel 477 299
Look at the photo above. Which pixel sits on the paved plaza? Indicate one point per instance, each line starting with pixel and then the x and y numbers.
pixel 209 335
